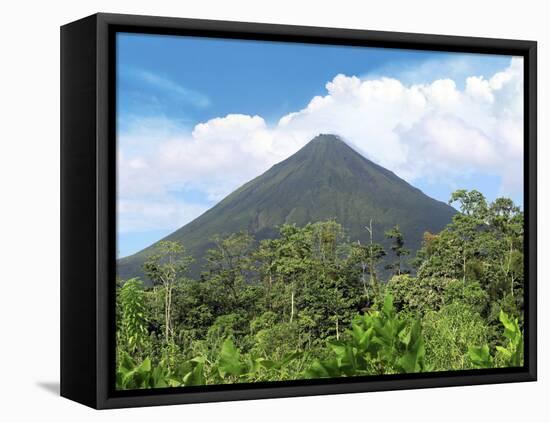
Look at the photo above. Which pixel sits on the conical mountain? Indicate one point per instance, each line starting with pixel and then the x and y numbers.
pixel 326 179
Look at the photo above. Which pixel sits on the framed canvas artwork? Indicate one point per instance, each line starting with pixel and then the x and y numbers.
pixel 254 211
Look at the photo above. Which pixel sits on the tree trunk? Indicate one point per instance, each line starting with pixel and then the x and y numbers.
pixel 291 305
pixel 463 272
pixel 269 287
pixel 166 319
pixel 169 317
pixel 508 269
pixel 363 275
pixel 399 266
pixel 371 261
pixel 364 280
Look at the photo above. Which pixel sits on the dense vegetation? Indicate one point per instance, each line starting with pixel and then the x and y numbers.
pixel 310 303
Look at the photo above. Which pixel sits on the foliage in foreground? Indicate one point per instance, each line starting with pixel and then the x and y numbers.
pixel 509 355
pixel 377 343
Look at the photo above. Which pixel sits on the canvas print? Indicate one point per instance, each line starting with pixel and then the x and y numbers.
pixel 291 211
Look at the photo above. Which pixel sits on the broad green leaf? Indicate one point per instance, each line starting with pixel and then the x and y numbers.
pixel 195 377
pixel 229 360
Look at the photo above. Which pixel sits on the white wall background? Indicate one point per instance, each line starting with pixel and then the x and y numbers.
pixel 29 236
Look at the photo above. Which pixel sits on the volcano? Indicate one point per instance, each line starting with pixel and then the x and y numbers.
pixel 326 179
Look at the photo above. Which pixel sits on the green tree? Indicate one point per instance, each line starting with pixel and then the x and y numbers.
pixel 132 323
pixel 484 242
pixel 264 258
pixel 471 203
pixel 364 260
pixel 228 264
pixel 329 291
pixel 293 250
pixel 165 267
pixel 507 220
pixel 398 248
pixel 417 295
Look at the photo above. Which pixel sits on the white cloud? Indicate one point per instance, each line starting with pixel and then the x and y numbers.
pixel 164 212
pixel 433 131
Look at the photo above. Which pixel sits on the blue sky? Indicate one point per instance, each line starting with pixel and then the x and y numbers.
pixel 179 98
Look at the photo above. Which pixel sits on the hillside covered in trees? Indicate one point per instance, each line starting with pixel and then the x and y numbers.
pixel 311 302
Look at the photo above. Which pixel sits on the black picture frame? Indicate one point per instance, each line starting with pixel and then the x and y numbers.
pixel 88 208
